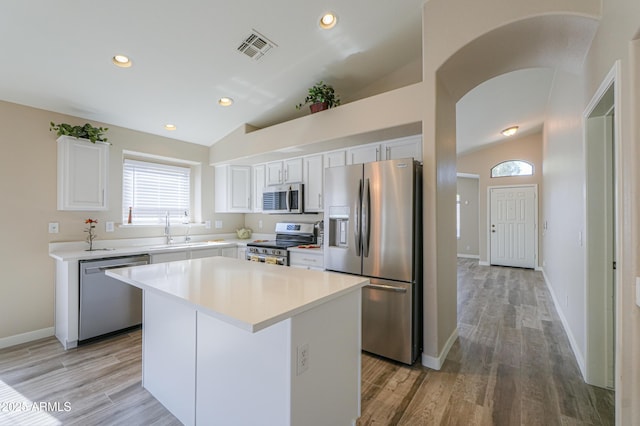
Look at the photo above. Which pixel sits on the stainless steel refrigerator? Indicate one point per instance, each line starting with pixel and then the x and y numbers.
pixel 373 227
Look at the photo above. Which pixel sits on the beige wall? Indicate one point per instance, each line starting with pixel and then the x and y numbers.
pixel 28 189
pixel 469 190
pixel 480 162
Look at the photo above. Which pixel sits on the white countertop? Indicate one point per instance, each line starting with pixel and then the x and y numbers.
pixel 249 295
pixel 74 251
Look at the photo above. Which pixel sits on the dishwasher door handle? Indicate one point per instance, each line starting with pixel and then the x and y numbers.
pixel 106 268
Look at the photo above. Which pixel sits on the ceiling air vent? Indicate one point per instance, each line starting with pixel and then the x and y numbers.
pixel 255 45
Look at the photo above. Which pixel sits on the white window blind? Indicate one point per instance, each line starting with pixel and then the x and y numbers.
pixel 152 190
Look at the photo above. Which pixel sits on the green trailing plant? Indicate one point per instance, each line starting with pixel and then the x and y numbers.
pixel 320 93
pixel 94 134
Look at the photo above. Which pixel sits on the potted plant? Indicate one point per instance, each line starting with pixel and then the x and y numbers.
pixel 321 96
pixel 94 134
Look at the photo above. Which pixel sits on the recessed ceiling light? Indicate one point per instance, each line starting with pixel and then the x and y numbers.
pixel 170 127
pixel 328 20
pixel 510 131
pixel 121 61
pixel 224 101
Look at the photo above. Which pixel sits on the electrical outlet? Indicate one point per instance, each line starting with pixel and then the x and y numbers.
pixel 260 224
pixel 303 358
pixel 207 224
pixel 218 224
pixel 54 227
pixel 108 227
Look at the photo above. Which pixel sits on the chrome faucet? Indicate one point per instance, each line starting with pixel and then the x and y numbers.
pixel 167 229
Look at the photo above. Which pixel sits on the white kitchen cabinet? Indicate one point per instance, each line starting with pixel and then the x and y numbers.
pixel 259 179
pixel 233 189
pixel 287 171
pixel 82 174
pixel 335 158
pixel 208 252
pixel 363 154
pixel 231 252
pixel 242 252
pixel 313 183
pixel 169 257
pixel 307 259
pixel 410 147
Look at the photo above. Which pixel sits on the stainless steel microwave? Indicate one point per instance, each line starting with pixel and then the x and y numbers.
pixel 283 199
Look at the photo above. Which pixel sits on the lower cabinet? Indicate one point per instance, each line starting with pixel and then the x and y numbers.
pixel 194 254
pixel 308 259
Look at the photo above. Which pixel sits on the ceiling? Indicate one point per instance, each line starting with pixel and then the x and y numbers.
pixel 58 57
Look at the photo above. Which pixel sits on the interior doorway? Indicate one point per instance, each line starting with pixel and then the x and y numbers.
pixel 513 226
pixel 601 211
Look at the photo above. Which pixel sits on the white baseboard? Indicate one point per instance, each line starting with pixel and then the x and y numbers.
pixel 30 336
pixel 565 324
pixel 469 256
pixel 483 263
pixel 436 363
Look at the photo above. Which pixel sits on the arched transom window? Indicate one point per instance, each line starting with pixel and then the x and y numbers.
pixel 512 168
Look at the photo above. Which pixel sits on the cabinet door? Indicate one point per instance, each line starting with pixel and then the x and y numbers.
pixel 313 183
pixel 258 185
pixel 410 147
pixel 202 253
pixel 240 189
pixel 229 252
pixel 335 158
pixel 274 173
pixel 232 189
pixel 364 154
pixel 168 257
pixel 293 170
pixel 242 253
pixel 82 174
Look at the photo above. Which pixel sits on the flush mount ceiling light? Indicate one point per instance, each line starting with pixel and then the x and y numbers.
pixel 121 61
pixel 224 101
pixel 328 20
pixel 170 127
pixel 510 131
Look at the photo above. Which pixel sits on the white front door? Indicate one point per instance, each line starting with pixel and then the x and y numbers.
pixel 512 227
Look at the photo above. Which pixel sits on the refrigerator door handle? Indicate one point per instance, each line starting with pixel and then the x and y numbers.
pixel 356 219
pixel 387 287
pixel 366 218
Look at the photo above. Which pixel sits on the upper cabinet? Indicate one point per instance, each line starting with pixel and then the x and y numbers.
pixel 403 148
pixel 335 158
pixel 233 189
pixel 259 178
pixel 313 183
pixel 388 150
pixel 287 171
pixel 82 174
pixel 363 154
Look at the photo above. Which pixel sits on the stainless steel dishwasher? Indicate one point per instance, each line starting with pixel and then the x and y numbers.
pixel 106 304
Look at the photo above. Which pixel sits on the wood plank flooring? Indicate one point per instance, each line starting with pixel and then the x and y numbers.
pixel 511 365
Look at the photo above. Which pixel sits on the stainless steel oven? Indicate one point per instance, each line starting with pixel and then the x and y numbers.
pixel 287 235
pixel 283 199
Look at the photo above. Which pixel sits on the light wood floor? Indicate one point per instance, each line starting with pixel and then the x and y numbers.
pixel 511 365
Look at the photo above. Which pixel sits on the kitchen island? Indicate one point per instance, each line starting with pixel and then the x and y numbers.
pixel 227 341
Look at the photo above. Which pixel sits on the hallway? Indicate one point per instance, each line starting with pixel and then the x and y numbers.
pixel 511 365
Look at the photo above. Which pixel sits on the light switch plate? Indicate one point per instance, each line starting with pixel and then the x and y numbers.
pixel 54 227
pixel 218 224
pixel 207 224
pixel 108 226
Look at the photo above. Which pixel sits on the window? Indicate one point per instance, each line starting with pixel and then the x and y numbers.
pixel 512 168
pixel 152 190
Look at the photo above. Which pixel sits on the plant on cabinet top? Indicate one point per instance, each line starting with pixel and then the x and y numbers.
pixel 94 134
